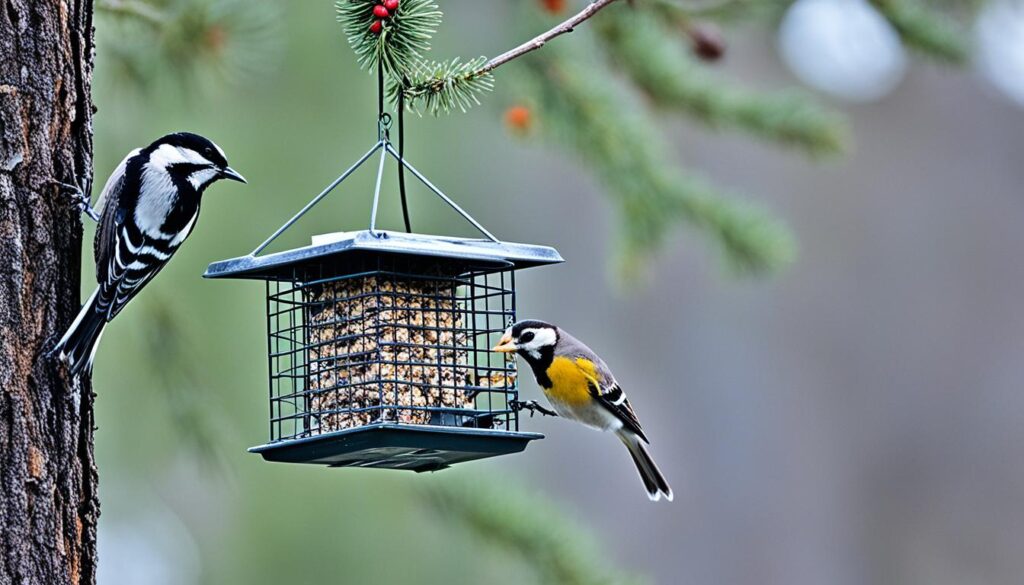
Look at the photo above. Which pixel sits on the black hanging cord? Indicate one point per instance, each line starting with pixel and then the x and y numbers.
pixel 401 155
pixel 380 93
pixel 381 116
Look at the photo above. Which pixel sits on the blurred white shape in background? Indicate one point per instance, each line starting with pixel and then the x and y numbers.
pixel 842 47
pixel 152 548
pixel 1000 52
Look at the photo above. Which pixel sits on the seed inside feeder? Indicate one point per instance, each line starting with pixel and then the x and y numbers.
pixel 385 348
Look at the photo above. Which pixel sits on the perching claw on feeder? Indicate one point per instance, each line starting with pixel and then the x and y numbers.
pixel 379 342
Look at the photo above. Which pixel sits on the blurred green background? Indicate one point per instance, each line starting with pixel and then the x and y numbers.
pixel 854 419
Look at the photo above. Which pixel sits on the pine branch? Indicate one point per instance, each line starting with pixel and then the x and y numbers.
pixel 542 39
pixel 548 544
pixel 461 89
pixel 442 86
pixel 928 31
pixel 581 105
pixel 657 60
pixel 402 40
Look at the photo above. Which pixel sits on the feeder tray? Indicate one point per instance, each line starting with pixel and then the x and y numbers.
pixel 379 343
pixel 415 447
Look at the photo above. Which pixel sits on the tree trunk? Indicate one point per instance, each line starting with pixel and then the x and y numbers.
pixel 48 501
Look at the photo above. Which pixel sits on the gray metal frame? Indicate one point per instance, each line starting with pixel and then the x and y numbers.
pixel 385 147
pixel 489 249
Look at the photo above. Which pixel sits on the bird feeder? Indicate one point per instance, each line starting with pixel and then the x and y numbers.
pixel 378 341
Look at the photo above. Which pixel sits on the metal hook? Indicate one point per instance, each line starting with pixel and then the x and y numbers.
pixel 384 126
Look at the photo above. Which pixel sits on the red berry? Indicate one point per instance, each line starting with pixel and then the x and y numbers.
pixel 391 5
pixel 380 12
pixel 519 119
pixel 375 27
pixel 553 6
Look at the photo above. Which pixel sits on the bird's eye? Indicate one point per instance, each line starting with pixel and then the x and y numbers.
pixel 526 337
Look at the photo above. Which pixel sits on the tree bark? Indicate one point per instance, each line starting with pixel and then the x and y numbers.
pixel 48 479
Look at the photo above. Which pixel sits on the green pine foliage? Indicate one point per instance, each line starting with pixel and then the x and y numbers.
pixel 656 57
pixel 427 85
pixel 581 106
pixel 442 86
pixel 928 31
pixel 404 38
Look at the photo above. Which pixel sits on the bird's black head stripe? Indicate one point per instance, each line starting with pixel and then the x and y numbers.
pixel 518 328
pixel 194 142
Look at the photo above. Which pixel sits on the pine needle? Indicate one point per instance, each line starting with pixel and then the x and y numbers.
pixel 443 86
pixel 404 39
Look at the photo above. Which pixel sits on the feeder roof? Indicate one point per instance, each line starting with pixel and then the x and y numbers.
pixel 362 244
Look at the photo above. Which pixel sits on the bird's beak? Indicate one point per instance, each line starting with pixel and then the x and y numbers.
pixel 505 344
pixel 230 173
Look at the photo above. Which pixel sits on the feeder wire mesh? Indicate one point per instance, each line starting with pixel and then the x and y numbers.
pixel 397 341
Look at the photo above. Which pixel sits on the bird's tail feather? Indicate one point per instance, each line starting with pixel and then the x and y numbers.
pixel 78 346
pixel 656 484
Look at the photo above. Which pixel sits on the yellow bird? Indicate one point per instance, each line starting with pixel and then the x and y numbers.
pixel 580 387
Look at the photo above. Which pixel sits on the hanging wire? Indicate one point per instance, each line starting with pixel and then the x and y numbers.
pixel 376 192
pixel 383 144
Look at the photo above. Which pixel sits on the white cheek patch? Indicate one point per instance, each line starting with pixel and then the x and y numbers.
pixel 541 338
pixel 200 178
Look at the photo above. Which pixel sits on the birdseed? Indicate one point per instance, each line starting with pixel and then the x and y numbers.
pixel 384 348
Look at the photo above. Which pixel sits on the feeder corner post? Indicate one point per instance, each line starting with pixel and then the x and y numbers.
pixel 48 476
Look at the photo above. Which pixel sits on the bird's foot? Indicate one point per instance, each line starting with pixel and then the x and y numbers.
pixel 78 198
pixel 50 346
pixel 533 406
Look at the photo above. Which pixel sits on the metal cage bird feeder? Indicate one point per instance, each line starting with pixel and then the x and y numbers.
pixel 379 341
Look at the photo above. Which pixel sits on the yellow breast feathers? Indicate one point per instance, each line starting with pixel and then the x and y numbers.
pixel 570 380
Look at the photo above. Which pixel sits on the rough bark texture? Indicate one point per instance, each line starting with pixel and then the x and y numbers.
pixel 48 502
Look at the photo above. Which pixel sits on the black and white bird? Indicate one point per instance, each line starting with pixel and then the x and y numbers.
pixel 146 210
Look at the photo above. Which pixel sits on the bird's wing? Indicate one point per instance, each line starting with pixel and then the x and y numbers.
pixel 111 221
pixel 133 259
pixel 614 400
pixel 600 381
pixel 112 189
